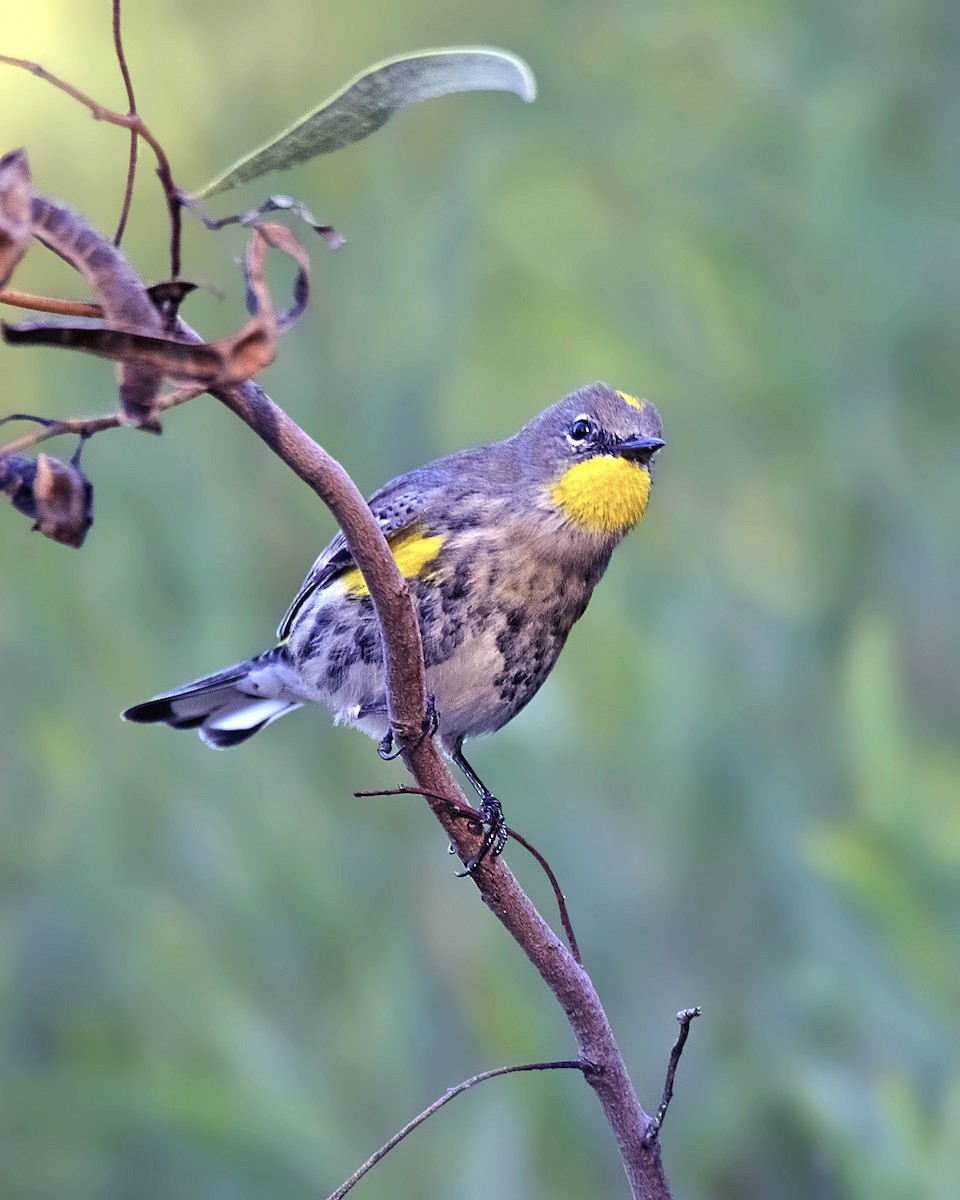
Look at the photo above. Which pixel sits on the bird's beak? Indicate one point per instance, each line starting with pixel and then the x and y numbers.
pixel 640 448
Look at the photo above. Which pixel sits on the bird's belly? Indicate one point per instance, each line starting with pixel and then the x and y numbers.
pixel 490 676
pixel 467 698
pixel 487 650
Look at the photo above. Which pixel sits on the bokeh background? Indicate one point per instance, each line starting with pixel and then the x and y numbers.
pixel 220 975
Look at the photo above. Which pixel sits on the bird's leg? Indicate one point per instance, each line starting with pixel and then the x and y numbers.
pixel 491 816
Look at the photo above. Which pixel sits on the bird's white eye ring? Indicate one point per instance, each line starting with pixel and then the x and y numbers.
pixel 580 430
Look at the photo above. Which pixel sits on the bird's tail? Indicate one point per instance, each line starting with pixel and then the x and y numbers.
pixel 229 707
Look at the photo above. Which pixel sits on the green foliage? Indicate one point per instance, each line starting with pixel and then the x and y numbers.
pixel 221 975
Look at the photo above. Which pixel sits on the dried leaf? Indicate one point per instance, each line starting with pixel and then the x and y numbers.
pixel 17 473
pixel 254 347
pixel 16 226
pixel 288 204
pixel 283 239
pixel 122 296
pixel 368 101
pixel 272 204
pixel 167 298
pixel 57 495
pixel 146 357
pixel 154 355
pixel 230 360
pixel 64 499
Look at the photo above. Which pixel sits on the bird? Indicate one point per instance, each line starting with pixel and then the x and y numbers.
pixel 501 546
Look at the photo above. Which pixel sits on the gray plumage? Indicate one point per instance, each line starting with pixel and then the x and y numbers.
pixel 512 569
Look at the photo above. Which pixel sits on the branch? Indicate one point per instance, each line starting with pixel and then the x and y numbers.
pixel 599 1054
pixel 448 1095
pixel 685 1017
pixel 602 1063
pixel 49 304
pixel 136 126
pixel 86 427
pixel 132 109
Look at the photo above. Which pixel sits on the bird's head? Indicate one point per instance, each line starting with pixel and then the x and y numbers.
pixel 593 452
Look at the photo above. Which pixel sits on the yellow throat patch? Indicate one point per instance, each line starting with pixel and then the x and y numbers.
pixel 606 494
pixel 412 552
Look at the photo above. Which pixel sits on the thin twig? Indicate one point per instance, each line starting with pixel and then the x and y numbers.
pixel 49 304
pixel 685 1016
pixel 252 217
pixel 86 427
pixel 132 108
pixel 449 1095
pixel 558 894
pixel 125 121
pixel 471 814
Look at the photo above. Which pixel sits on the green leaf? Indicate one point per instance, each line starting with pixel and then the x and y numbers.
pixel 371 99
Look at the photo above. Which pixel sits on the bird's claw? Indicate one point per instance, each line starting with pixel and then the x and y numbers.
pixel 490 816
pixel 389 747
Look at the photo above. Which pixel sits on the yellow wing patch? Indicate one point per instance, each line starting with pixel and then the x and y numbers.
pixel 412 552
pixel 606 494
pixel 632 401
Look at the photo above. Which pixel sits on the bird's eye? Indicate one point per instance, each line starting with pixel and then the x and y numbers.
pixel 580 430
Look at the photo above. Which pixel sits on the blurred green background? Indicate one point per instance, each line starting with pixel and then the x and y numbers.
pixel 223 977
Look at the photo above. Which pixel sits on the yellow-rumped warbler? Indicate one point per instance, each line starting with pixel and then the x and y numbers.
pixel 503 545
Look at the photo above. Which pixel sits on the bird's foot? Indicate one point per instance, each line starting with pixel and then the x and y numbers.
pixel 389 747
pixel 386 747
pixel 490 817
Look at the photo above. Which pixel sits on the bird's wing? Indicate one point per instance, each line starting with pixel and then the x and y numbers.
pixel 398 506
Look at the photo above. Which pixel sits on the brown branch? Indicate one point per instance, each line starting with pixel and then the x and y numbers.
pixel 599 1054
pixel 132 109
pixel 132 122
pixel 49 304
pixel 602 1062
pixel 576 995
pixel 402 647
pixel 600 1058
pixel 449 1094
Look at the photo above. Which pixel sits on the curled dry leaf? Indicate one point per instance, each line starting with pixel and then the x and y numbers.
pixel 280 238
pixel 167 298
pixel 150 355
pixel 16 227
pixel 120 292
pixel 272 204
pixel 247 352
pixel 289 204
pixel 57 495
